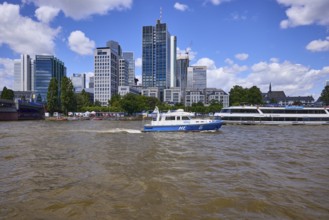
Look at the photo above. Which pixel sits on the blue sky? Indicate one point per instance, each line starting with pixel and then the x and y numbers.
pixel 243 42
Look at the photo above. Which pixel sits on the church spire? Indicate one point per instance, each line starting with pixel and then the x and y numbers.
pixel 270 88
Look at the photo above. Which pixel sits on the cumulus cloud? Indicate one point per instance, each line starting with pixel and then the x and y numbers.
pixel 318 45
pixel 180 7
pixel 79 43
pixel 216 2
pixel 305 12
pixel 79 9
pixel 22 34
pixel 188 51
pixel 46 14
pixel 292 78
pixel 241 56
pixel 138 62
pixel 6 73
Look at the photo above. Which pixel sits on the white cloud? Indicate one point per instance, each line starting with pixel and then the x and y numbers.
pixel 81 44
pixel 138 62
pixel 180 7
pixel 46 14
pixel 6 73
pixel 318 45
pixel 293 79
pixel 241 56
pixel 210 64
pixel 22 34
pixel 216 2
pixel 188 51
pixel 79 9
pixel 305 12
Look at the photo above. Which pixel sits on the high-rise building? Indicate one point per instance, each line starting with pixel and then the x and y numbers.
pixel 23 73
pixel 91 82
pixel 17 75
pixel 26 72
pixel 173 52
pixel 45 68
pixel 129 56
pixel 106 79
pixel 123 72
pixel 78 81
pixel 197 77
pixel 156 57
pixel 182 64
pixel 327 83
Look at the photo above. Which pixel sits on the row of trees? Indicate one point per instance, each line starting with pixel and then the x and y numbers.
pixel 68 100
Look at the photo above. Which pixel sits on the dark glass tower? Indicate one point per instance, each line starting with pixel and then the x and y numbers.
pixel 45 68
pixel 156 57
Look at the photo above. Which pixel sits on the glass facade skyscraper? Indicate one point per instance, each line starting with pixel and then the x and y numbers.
pixel 197 77
pixel 129 56
pixel 45 68
pixel 156 57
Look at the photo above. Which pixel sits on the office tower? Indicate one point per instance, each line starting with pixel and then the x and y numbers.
pixel 123 72
pixel 173 46
pixel 115 47
pixel 47 67
pixel 22 73
pixel 91 82
pixel 17 75
pixel 26 72
pixel 78 81
pixel 106 72
pixel 327 83
pixel 197 77
pixel 129 56
pixel 182 64
pixel 156 57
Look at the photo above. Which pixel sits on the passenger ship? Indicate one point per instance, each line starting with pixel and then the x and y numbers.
pixel 288 115
pixel 180 121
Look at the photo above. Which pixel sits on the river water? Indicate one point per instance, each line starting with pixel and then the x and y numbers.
pixel 110 170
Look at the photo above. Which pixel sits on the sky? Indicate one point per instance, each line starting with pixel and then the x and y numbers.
pixel 242 42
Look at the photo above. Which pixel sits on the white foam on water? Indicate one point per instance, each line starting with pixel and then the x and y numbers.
pixel 112 131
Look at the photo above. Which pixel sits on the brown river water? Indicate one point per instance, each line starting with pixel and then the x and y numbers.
pixel 110 170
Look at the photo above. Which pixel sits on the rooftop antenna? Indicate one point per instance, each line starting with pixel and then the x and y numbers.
pixel 160 13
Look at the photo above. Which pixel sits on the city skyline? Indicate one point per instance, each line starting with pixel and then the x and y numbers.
pixel 255 43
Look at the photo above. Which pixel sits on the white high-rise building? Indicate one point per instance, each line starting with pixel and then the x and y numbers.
pixel 106 71
pixel 129 57
pixel 23 74
pixel 123 72
pixel 17 75
pixel 197 77
pixel 26 72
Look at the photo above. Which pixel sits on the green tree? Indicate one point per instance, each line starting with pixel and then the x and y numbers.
pixel 82 100
pixel 254 96
pixel 68 100
pixel 215 106
pixel 7 94
pixel 132 103
pixel 238 95
pixel 325 95
pixel 115 101
pixel 52 96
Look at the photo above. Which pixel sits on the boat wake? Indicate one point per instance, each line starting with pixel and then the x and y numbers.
pixel 112 131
